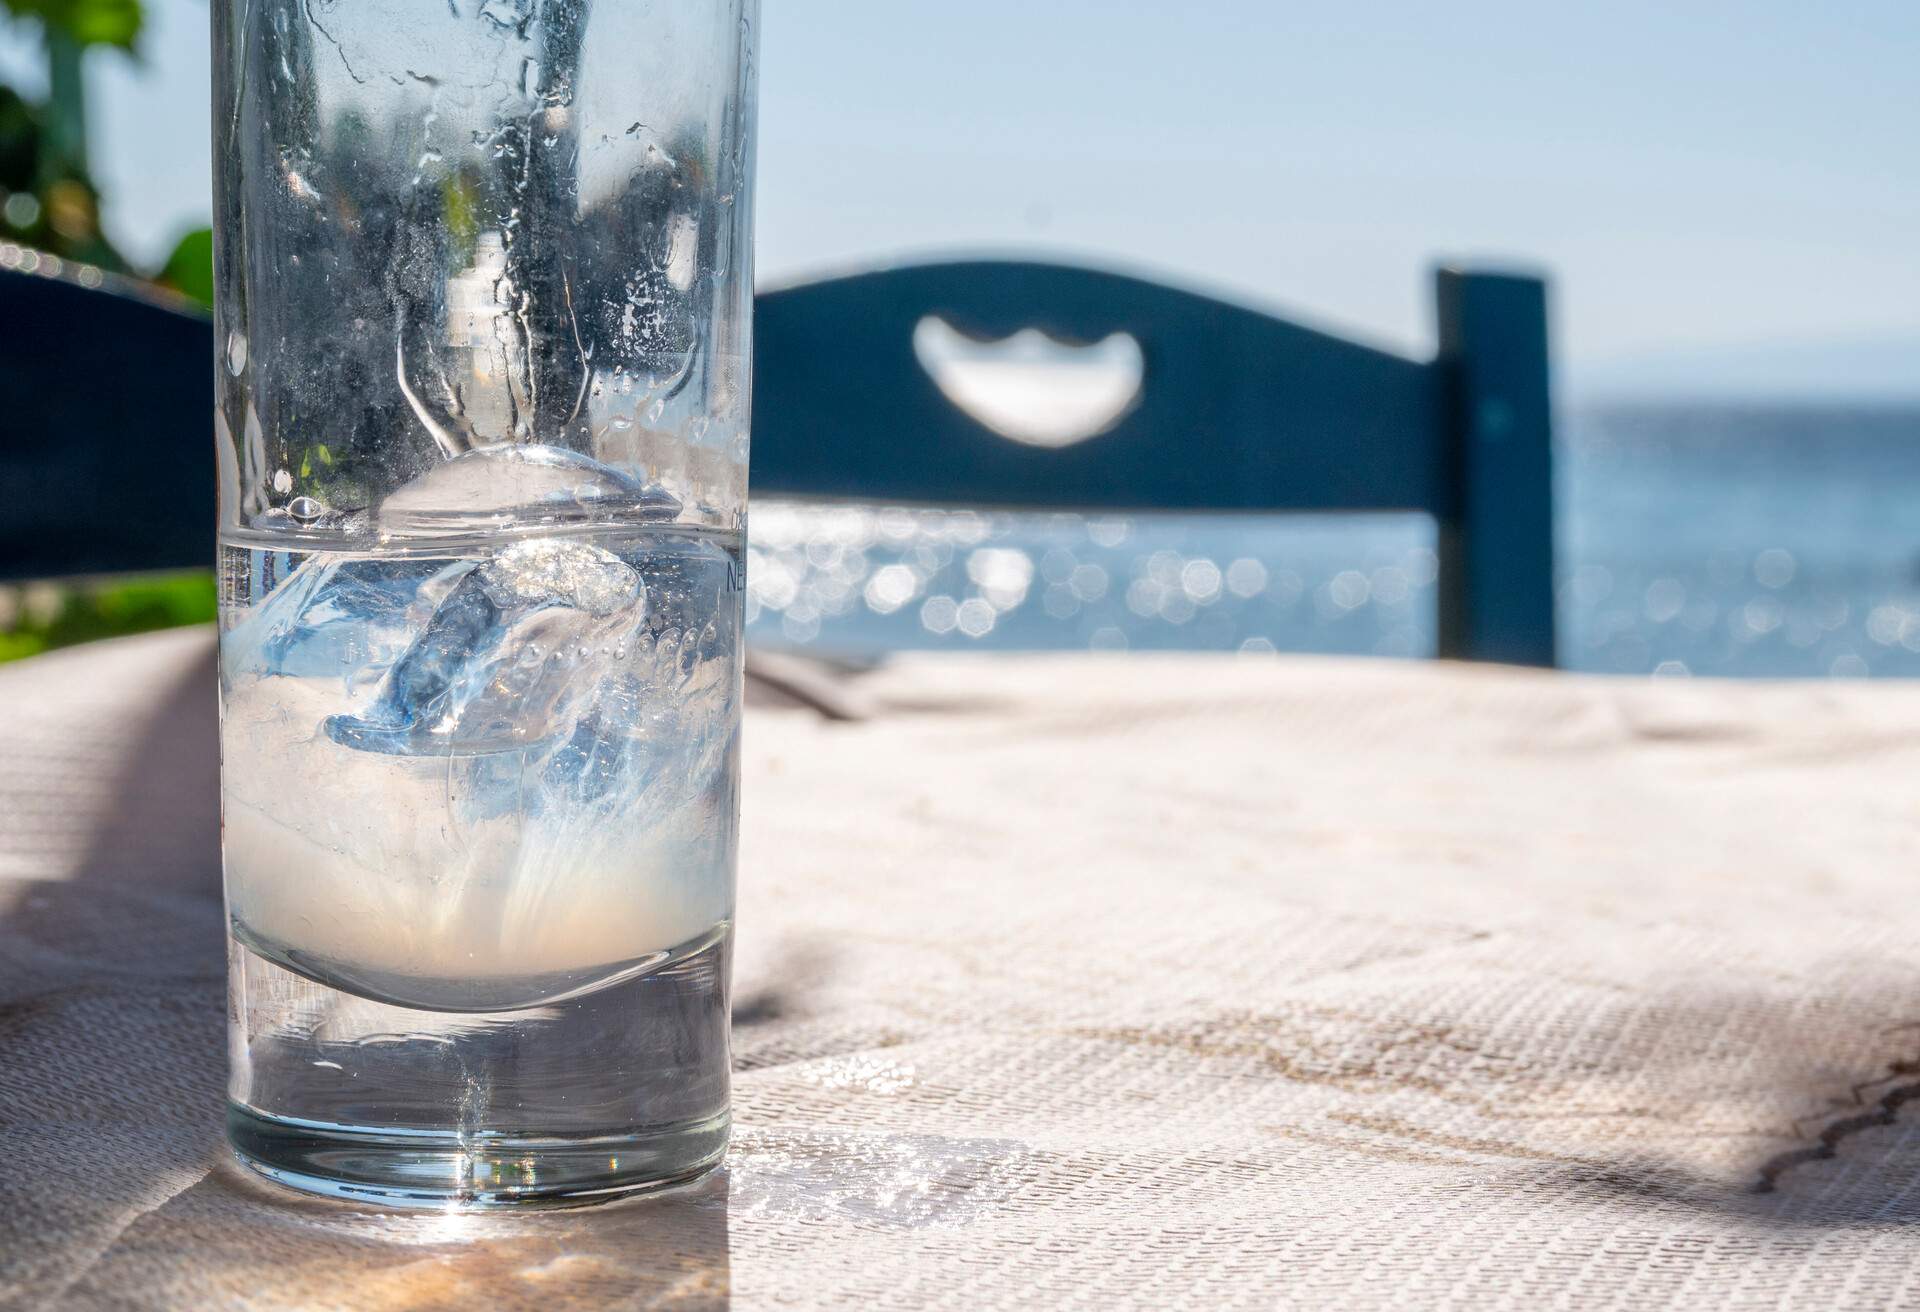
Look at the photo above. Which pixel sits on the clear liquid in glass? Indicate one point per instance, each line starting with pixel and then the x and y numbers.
pixel 479 815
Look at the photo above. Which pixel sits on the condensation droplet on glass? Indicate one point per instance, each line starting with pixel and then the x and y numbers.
pixel 305 509
pixel 236 353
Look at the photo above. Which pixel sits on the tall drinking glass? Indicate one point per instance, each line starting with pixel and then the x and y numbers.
pixel 483 318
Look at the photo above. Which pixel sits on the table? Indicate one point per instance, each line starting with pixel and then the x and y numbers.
pixel 1093 981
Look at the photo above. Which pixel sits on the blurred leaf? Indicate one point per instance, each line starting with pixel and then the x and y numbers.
pixel 89 22
pixel 14 646
pixel 157 603
pixel 19 141
pixel 72 210
pixel 189 270
pixel 461 207
pixel 109 608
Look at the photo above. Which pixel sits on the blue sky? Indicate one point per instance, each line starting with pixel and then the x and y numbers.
pixel 1700 178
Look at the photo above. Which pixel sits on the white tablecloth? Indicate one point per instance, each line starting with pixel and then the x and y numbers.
pixel 1103 982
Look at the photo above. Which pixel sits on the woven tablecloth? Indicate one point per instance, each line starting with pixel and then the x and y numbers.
pixel 1093 982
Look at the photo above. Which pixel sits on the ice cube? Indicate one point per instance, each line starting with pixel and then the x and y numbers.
pixel 585 767
pixel 513 657
pixel 336 615
pixel 508 485
pixel 657 733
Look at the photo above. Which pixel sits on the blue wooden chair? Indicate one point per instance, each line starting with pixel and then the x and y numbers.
pixel 105 396
pixel 1236 411
pixel 106 414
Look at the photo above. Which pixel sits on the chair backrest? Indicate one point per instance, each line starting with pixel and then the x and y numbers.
pixel 1236 411
pixel 105 394
pixel 106 415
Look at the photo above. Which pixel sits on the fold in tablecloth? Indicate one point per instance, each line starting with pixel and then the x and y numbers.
pixel 1097 982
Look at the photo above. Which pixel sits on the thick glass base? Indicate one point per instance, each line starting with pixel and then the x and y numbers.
pixel 577 1100
pixel 440 1170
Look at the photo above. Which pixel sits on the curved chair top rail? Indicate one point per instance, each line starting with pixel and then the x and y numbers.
pixel 1237 410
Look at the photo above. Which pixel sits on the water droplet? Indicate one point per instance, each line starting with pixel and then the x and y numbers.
pixel 236 353
pixel 620 423
pixel 305 509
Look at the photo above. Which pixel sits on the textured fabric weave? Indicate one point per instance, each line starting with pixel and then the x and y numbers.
pixel 1093 982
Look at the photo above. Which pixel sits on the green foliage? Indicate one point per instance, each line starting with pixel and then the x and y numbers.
pixel 47 201
pixel 459 196
pixel 19 140
pixel 46 616
pixel 113 23
pixel 189 270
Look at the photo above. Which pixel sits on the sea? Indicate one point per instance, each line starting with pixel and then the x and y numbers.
pixel 1692 539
